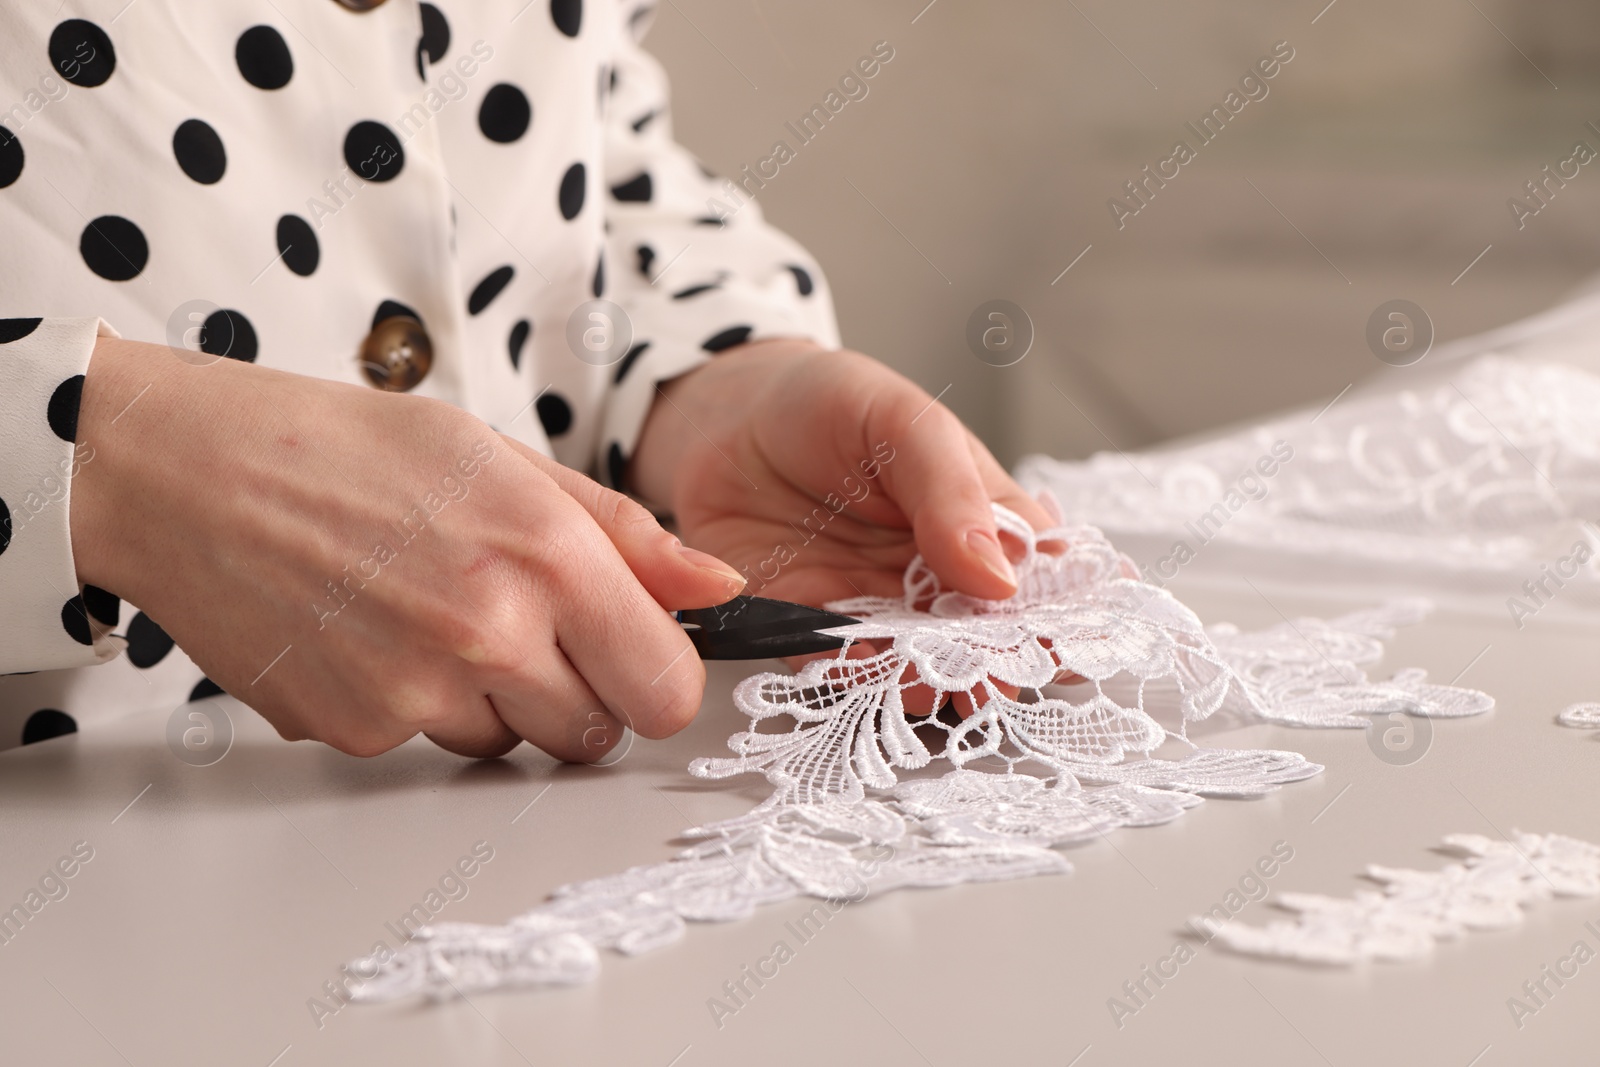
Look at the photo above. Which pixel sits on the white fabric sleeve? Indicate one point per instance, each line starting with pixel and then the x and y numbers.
pixel 694 266
pixel 47 620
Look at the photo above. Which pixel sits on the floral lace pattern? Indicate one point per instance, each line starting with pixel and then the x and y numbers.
pixel 865 800
pixel 1458 477
pixel 1417 909
pixel 1075 612
pixel 1308 672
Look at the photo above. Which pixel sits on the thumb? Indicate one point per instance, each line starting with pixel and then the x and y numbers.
pixel 936 482
pixel 678 577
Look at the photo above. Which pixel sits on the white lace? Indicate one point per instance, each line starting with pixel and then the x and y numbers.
pixel 1308 672
pixel 1419 486
pixel 1582 716
pixel 865 801
pixel 1416 909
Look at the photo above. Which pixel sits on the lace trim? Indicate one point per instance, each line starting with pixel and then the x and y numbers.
pixel 1308 672
pixel 1416 909
pixel 1582 716
pixel 865 800
pixel 1457 477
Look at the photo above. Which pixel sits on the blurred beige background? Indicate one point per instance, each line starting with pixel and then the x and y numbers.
pixel 995 136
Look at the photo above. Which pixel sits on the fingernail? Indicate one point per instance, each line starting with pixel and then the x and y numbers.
pixel 705 561
pixel 986 546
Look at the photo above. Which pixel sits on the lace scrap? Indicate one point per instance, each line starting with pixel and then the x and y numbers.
pixel 866 800
pixel 1490 890
pixel 1583 716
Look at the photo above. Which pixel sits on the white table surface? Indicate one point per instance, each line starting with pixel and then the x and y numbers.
pixel 225 896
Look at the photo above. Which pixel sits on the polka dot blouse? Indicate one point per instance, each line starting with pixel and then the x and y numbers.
pixel 432 197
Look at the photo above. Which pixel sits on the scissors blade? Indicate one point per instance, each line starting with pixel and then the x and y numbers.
pixel 752 627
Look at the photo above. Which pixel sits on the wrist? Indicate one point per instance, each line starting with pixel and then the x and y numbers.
pixel 137 409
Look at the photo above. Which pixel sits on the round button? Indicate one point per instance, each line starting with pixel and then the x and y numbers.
pixel 397 354
pixel 360 5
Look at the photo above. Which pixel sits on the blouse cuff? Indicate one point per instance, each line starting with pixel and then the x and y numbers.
pixel 48 621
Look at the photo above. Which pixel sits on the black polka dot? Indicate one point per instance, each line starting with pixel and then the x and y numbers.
pixel 616 465
pixel 16 329
pixel 263 58
pixel 148 643
pixel 82 53
pixel 486 290
pixel 518 338
pixel 390 309
pixel 103 606
pixel 200 152
pixel 629 360
pixel 555 414
pixel 710 220
pixel 644 120
pixel 297 244
pixel 373 151
pixel 802 279
pixel 114 248
pixel 435 33
pixel 46 723
pixel 733 335
pixel 5 526
pixel 613 79
pixel 205 687
pixel 568 16
pixel 62 411
pixel 75 620
pixel 572 190
pixel 638 189
pixel 11 157
pixel 647 256
pixel 229 333
pixel 598 286
pixel 695 290
pixel 505 113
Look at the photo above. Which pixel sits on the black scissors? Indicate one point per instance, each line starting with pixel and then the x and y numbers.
pixel 753 627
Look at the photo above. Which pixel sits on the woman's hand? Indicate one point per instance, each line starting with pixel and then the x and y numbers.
pixel 360 566
pixel 820 474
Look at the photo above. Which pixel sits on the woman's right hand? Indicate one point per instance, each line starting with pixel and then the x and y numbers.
pixel 361 566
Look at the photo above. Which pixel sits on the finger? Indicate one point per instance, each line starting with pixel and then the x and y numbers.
pixel 967 703
pixel 1004 490
pixel 935 480
pixel 479 733
pixel 635 657
pixel 559 712
pixel 677 577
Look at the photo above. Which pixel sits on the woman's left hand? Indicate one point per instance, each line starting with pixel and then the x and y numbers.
pixel 819 475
